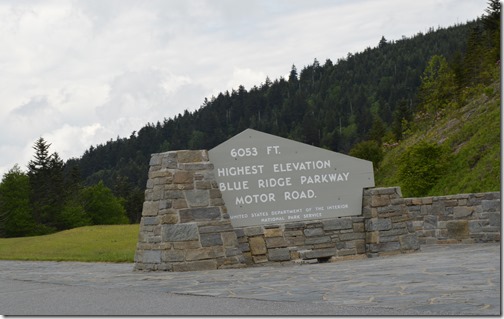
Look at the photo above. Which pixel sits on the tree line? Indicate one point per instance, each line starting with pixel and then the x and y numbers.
pixel 49 198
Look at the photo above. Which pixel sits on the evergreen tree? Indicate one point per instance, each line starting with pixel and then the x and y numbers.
pixel 492 17
pixel 41 186
pixel 377 130
pixel 48 189
pixel 293 81
pixel 492 22
pixel 438 85
pixel 197 140
pixel 383 42
pixel 132 197
pixel 402 118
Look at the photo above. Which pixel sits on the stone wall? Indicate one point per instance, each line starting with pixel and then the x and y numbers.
pixel 464 218
pixel 308 241
pixel 185 225
pixel 388 225
pixel 384 228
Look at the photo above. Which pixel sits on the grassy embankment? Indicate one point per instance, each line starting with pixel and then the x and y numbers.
pixel 115 243
pixel 471 134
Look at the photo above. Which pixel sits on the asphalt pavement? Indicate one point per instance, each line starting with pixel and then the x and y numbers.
pixel 438 280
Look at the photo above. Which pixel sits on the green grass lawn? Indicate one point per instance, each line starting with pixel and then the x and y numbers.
pixel 111 243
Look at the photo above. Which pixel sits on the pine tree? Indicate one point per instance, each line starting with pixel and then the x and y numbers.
pixel 293 81
pixel 47 191
pixel 42 158
pixel 383 42
pixel 492 19
pixel 438 85
pixel 38 172
pixel 492 23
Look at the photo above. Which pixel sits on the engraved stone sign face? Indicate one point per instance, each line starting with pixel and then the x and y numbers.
pixel 266 179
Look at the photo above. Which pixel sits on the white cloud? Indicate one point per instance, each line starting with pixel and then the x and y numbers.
pixel 64 138
pixel 79 72
pixel 246 77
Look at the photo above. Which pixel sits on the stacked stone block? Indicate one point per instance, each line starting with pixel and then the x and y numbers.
pixel 463 218
pixel 309 241
pixel 185 225
pixel 384 228
pixel 388 226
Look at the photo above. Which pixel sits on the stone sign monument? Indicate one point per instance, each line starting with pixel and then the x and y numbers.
pixel 259 198
pixel 267 179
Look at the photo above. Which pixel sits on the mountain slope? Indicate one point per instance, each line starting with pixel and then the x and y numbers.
pixel 363 97
pixel 326 105
pixel 470 138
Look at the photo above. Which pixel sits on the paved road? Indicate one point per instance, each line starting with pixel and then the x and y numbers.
pixel 438 280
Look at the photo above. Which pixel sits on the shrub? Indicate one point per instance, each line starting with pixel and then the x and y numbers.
pixel 102 206
pixel 368 150
pixel 420 168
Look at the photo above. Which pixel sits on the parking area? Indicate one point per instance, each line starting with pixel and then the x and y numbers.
pixel 437 280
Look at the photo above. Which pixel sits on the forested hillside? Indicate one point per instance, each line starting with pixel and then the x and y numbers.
pixel 331 104
pixel 370 95
pixel 378 104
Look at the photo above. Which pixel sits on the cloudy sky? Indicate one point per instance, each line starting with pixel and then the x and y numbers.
pixel 82 72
